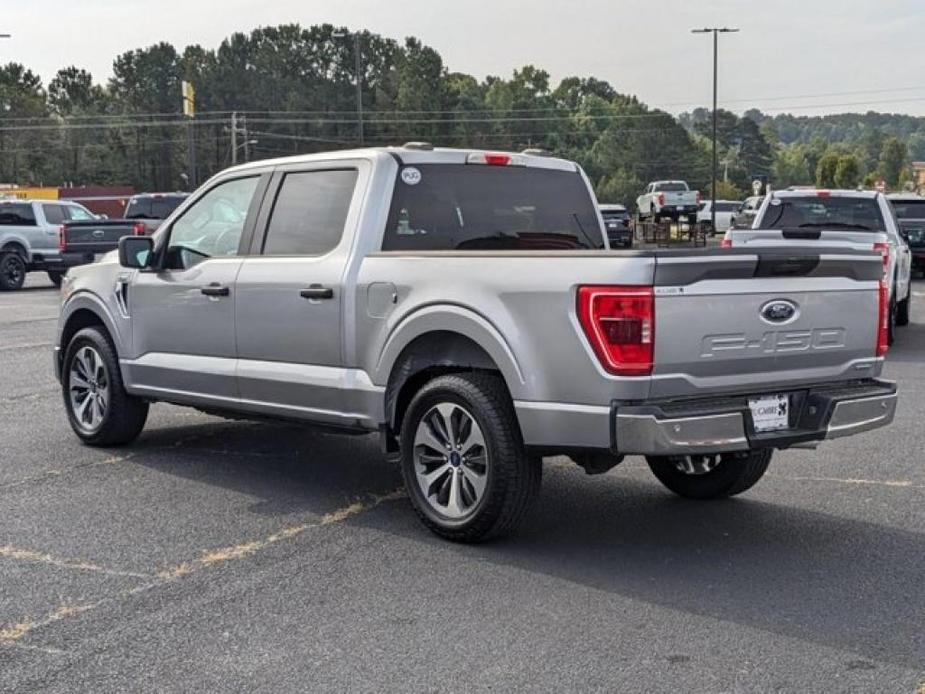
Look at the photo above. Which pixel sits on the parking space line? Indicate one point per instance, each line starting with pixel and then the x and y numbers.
pixel 27 345
pixel 50 474
pixel 12 634
pixel 901 484
pixel 33 557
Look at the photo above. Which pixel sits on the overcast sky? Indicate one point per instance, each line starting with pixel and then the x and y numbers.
pixel 803 56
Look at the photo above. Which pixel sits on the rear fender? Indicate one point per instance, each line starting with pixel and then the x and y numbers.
pixel 452 319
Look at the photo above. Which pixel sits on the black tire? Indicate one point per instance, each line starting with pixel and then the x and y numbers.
pixel 125 415
pixel 513 476
pixel 734 474
pixel 55 276
pixel 902 310
pixel 12 272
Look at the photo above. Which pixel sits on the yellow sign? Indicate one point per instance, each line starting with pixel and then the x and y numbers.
pixel 189 99
pixel 29 193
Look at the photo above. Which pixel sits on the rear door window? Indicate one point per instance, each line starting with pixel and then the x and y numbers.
pixel 310 212
pixel 17 215
pixel 441 207
pixel 54 214
pixel 138 208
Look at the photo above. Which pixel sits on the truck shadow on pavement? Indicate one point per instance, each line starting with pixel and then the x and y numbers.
pixel 834 581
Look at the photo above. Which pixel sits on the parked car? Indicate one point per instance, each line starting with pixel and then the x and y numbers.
pixel 835 219
pixel 457 302
pixel 910 212
pixel 29 239
pixel 671 199
pixel 143 215
pixel 725 209
pixel 744 216
pixel 617 225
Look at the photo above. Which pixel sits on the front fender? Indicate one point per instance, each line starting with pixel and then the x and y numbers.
pixel 87 300
pixel 450 318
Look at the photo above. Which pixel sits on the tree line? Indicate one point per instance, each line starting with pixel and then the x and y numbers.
pixel 293 90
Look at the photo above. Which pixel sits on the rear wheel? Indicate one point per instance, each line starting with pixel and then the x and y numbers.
pixel 463 460
pixel 12 271
pixel 902 310
pixel 100 412
pixel 711 476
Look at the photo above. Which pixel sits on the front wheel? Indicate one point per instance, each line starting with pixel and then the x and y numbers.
pixel 99 409
pixel 712 476
pixel 463 460
pixel 12 271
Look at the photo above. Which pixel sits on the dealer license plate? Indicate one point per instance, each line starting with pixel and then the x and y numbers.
pixel 770 412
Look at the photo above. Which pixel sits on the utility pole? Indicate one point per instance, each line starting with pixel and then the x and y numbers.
pixel 234 138
pixel 247 140
pixel 358 68
pixel 715 31
pixel 189 110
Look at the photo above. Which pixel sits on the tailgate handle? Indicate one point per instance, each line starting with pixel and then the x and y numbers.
pixel 785 266
pixel 812 235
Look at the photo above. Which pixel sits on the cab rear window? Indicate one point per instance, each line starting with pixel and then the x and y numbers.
pixel 474 207
pixel 823 212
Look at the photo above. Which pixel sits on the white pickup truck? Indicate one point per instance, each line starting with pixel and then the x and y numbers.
pixel 464 305
pixel 672 199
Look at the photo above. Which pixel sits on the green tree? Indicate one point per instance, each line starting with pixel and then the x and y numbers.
pixel 893 159
pixel 790 167
pixel 825 170
pixel 847 172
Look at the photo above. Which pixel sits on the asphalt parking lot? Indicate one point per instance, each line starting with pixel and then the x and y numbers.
pixel 215 555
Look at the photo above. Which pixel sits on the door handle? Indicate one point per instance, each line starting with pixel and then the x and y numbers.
pixel 215 289
pixel 316 291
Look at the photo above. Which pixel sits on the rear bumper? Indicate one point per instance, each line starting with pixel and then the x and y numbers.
pixel 59 261
pixel 817 414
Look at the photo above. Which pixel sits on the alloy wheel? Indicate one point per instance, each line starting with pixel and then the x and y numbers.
pixel 451 460
pixel 88 387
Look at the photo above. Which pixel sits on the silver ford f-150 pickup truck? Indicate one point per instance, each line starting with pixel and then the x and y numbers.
pixel 464 304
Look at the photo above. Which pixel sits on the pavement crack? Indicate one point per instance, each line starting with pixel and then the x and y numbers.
pixel 33 557
pixel 14 633
pixel 900 484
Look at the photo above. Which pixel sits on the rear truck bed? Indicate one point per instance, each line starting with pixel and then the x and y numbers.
pixel 98 235
pixel 761 350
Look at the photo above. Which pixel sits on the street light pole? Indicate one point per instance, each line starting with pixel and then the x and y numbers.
pixel 715 31
pixel 358 67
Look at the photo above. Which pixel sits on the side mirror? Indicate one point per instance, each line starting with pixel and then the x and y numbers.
pixel 136 251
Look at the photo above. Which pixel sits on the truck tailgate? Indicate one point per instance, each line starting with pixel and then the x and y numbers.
pixel 764 321
pixel 100 236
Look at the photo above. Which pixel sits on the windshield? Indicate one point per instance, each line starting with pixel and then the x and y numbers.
pixel 614 214
pixel 909 209
pixel 671 187
pixel 475 207
pixel 820 212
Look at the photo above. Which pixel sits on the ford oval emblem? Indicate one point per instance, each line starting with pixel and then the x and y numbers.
pixel 779 311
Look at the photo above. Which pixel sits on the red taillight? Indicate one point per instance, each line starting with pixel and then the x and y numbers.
pixel 62 239
pixel 139 229
pixel 726 242
pixel 884 249
pixel 883 320
pixel 823 193
pixel 661 199
pixel 619 322
pixel 495 159
pixel 698 197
